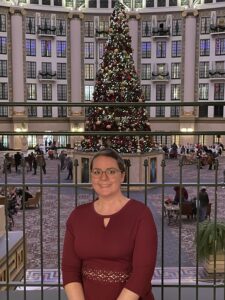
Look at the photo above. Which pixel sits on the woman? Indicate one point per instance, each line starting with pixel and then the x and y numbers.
pixel 110 244
pixel 180 193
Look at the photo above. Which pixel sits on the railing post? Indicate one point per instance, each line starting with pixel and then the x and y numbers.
pixel 146 178
pixel 76 164
pixel 128 165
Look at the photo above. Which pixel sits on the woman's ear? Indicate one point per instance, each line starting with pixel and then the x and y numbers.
pixel 122 176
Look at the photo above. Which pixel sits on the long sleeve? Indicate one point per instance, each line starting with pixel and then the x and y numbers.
pixel 144 256
pixel 71 264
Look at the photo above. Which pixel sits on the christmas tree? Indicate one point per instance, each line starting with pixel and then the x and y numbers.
pixel 117 82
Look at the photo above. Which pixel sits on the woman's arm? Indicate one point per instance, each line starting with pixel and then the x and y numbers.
pixel 143 260
pixel 74 291
pixel 128 295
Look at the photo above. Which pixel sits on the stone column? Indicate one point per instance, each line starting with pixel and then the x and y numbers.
pixel 189 62
pixel 76 60
pixel 133 31
pixel 17 60
pixel 187 118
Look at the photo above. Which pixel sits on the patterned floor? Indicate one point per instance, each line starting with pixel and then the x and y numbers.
pixel 170 275
pixel 52 239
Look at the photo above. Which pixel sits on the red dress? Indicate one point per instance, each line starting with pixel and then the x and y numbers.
pixel 107 259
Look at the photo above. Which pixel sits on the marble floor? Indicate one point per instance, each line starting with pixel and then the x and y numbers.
pixel 57 203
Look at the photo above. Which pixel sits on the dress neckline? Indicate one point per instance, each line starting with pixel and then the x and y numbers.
pixel 114 214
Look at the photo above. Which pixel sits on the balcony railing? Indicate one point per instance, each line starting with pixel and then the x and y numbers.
pixel 46 30
pixel 161 31
pixel 47 75
pixel 215 74
pixel 101 34
pixel 160 76
pixel 217 29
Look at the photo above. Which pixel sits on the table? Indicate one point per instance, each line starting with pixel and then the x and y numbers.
pixel 172 212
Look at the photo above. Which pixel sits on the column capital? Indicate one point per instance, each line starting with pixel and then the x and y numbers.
pixel 75 15
pixel 17 11
pixel 189 12
pixel 133 15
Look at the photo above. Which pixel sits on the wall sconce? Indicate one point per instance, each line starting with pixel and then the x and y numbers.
pixel 21 128
pixel 77 128
pixel 187 129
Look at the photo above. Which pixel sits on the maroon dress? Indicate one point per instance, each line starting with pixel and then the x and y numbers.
pixel 107 259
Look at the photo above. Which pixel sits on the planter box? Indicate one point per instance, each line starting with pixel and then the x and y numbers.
pixel 220 262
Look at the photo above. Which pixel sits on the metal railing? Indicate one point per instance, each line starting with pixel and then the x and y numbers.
pixel 147 190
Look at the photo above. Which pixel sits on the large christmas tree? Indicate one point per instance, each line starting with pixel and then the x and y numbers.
pixel 117 82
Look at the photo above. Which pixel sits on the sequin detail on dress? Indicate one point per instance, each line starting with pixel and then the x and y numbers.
pixel 104 275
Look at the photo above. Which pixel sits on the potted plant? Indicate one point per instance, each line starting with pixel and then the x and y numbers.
pixel 211 240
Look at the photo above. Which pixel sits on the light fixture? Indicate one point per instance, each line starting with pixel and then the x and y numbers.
pixel 77 128
pixel 184 129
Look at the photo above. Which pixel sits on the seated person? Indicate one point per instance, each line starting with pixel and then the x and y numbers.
pixel 180 193
pixel 26 194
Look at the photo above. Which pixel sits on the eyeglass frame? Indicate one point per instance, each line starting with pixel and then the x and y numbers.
pixel 105 172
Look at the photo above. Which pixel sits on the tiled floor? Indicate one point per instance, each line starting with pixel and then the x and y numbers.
pixel 52 239
pixel 170 276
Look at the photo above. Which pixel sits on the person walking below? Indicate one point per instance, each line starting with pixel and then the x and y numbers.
pixel 43 163
pixel 17 159
pixel 62 158
pixel 35 165
pixel 69 168
pixel 203 204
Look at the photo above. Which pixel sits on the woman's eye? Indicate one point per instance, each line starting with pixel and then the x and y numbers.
pixel 111 171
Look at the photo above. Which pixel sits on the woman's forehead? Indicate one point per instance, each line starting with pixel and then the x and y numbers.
pixel 103 160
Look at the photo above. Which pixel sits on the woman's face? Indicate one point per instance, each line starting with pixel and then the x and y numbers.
pixel 106 184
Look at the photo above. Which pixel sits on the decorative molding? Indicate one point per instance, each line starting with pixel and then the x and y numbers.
pixel 75 15
pixel 17 11
pixel 133 15
pixel 189 12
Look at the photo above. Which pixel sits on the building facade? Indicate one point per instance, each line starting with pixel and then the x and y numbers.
pixel 50 51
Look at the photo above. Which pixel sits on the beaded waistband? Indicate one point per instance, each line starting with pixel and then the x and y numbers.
pixel 104 275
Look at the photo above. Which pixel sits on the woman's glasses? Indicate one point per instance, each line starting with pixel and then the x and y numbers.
pixel 110 172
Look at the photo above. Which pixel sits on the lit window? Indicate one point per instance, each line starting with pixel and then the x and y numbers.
pixel 146 71
pixel 88 50
pixel 89 71
pixel 89 90
pixel 175 92
pixel 31 91
pixel 161 49
pixel 205 47
pixel 203 91
pixel 176 49
pixel 47 92
pixel 146 49
pixel 30 47
pixel 3 45
pixel 46 48
pixel 204 69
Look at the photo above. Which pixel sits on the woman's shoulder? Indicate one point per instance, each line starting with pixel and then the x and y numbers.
pixel 81 211
pixel 139 207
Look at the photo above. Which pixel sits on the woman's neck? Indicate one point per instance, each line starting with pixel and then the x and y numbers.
pixel 109 206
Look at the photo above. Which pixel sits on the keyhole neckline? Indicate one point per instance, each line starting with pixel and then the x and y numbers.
pixel 114 214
